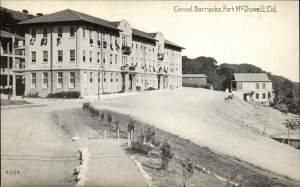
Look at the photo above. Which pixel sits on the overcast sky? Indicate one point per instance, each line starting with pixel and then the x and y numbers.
pixel 267 40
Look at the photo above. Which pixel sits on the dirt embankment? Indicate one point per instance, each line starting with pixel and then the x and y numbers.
pixel 227 167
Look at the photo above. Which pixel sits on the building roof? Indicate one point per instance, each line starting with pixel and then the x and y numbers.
pixel 143 34
pixel 173 44
pixel 251 77
pixel 5 34
pixel 69 15
pixel 294 136
pixel 194 76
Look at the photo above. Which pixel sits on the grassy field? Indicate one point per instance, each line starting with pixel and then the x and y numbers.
pixel 6 102
pixel 227 167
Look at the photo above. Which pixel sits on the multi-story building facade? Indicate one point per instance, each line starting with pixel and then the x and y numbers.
pixel 255 87
pixel 72 51
pixel 12 63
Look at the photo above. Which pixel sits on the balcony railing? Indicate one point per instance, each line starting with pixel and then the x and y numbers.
pixel 160 56
pixel 126 50
pixel 104 44
pixel 125 67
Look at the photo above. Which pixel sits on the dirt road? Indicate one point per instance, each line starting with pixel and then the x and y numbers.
pixel 36 151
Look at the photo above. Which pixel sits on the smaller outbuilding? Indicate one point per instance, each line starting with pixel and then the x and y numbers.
pixel 194 80
pixel 255 87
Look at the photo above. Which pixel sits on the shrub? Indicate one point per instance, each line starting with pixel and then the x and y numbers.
pixel 150 89
pixel 6 91
pixel 86 105
pixel 109 118
pixel 117 122
pixel 195 85
pixel 63 94
pixel 93 111
pixel 33 94
pixel 102 116
pixel 73 94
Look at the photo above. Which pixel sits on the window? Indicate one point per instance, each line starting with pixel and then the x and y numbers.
pixel 104 58
pixel 111 77
pixel 59 32
pixel 104 79
pixel 91 57
pixel 257 85
pixel 257 96
pixel 72 55
pixel 83 56
pixel 45 56
pixel 124 41
pixel 98 57
pixel 83 32
pixel 116 59
pixel 72 80
pixel 59 80
pixel 72 32
pixel 84 77
pixel 98 35
pixel 239 86
pixel 263 85
pixel 60 55
pixel 33 33
pixel 117 77
pixel 33 56
pixel 110 58
pixel 90 37
pixel 99 79
pixel 33 80
pixel 45 34
pixel 91 77
pixel 45 80
pixel 264 95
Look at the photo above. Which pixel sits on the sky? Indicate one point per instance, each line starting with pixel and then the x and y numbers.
pixel 269 40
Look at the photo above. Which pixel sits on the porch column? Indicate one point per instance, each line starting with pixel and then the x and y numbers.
pixel 8 68
pixel 14 85
pixel 126 82
pixel 7 81
pixel 134 82
pixel 161 82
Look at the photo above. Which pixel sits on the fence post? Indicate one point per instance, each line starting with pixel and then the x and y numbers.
pixel 104 133
pixel 128 140
pixel 91 134
pixel 118 134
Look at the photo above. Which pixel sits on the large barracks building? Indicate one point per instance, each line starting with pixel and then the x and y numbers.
pixel 72 51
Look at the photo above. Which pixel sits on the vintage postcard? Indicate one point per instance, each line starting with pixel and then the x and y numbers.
pixel 150 93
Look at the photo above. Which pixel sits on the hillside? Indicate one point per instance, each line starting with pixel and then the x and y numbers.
pixel 233 127
pixel 10 18
pixel 220 76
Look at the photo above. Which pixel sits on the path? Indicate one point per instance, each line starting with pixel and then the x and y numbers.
pixel 110 165
pixel 35 145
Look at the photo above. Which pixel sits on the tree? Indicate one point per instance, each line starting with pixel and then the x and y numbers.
pixel 39 14
pixel 25 11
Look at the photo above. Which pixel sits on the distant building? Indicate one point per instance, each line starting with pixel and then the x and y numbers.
pixel 72 51
pixel 194 79
pixel 12 63
pixel 255 87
